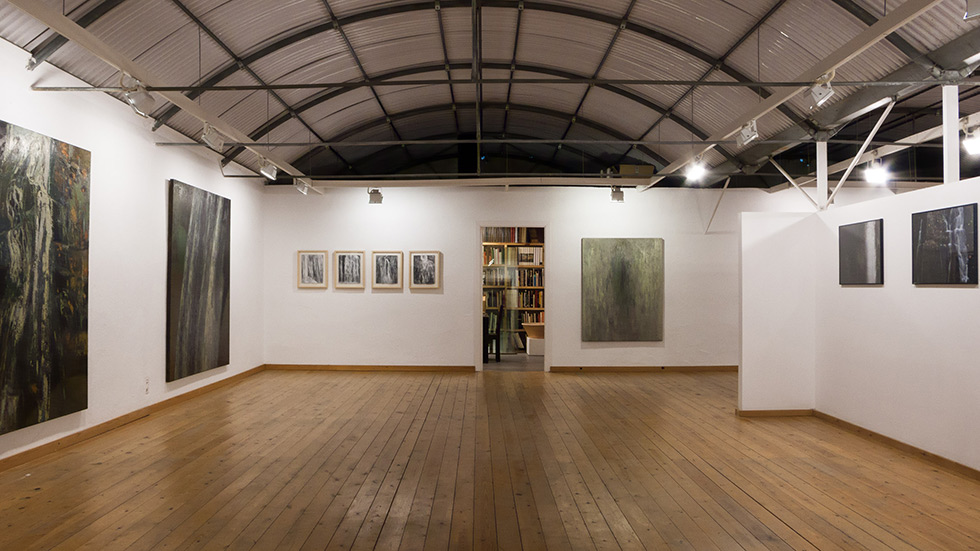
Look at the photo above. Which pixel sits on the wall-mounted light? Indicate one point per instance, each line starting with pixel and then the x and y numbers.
pixel 374 196
pixel 616 195
pixel 696 170
pixel 822 90
pixel 213 138
pixel 136 95
pixel 268 169
pixel 748 133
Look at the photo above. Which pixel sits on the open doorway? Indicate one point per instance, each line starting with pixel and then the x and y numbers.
pixel 513 298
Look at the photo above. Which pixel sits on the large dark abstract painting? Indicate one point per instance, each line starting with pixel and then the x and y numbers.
pixel 198 277
pixel 861 253
pixel 622 290
pixel 944 246
pixel 44 226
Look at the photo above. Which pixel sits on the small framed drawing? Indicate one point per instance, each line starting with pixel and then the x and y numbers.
pixel 387 269
pixel 348 269
pixel 311 269
pixel 860 253
pixel 424 269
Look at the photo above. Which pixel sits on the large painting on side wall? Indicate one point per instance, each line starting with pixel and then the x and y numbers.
pixel 860 253
pixel 944 246
pixel 622 290
pixel 44 227
pixel 198 281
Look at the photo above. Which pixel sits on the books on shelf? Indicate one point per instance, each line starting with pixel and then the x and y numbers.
pixel 513 235
pixel 530 256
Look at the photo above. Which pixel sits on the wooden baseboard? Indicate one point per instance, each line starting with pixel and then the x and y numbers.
pixel 949 464
pixel 102 428
pixel 641 368
pixel 773 412
pixel 387 368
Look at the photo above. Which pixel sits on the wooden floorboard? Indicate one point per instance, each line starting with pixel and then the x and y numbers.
pixel 497 460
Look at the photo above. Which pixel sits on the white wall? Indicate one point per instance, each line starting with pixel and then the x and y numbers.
pixel 128 247
pixel 365 327
pixel 900 359
pixel 777 312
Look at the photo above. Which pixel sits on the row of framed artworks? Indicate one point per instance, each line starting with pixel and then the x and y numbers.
pixel 944 249
pixel 424 270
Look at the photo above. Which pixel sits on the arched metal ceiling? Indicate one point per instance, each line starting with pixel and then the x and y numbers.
pixel 592 51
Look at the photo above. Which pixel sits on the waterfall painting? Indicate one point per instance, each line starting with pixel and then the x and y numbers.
pixel 425 270
pixel 311 269
pixel 198 281
pixel 44 232
pixel 348 269
pixel 944 246
pixel 859 249
pixel 387 269
pixel 622 290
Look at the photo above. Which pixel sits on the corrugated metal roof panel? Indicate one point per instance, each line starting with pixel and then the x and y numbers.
pixel 535 124
pixel 498 34
pixel 344 8
pixel 617 111
pixel 419 127
pixel 457 27
pixel 184 57
pixel 20 29
pixel 323 56
pixel 395 41
pixel 132 28
pixel 245 25
pixel 614 8
pixel 397 99
pixel 557 40
pixel 339 115
pixel 932 29
pixel 711 25
pixel 636 56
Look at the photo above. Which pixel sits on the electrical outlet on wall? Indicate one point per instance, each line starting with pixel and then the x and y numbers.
pixel 146 385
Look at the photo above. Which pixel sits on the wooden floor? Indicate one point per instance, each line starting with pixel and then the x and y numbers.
pixel 304 460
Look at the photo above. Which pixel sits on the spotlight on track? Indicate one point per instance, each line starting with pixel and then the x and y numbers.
pixel 971 141
pixel 213 138
pixel 822 90
pixel 616 195
pixel 696 170
pixel 374 196
pixel 268 170
pixel 876 173
pixel 136 96
pixel 301 186
pixel 748 133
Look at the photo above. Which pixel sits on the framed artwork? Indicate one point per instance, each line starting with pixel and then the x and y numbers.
pixel 44 260
pixel 348 269
pixel 944 246
pixel 387 269
pixel 198 281
pixel 861 253
pixel 311 269
pixel 425 269
pixel 622 290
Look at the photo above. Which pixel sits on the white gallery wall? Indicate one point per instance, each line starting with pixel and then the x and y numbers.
pixel 128 246
pixel 419 328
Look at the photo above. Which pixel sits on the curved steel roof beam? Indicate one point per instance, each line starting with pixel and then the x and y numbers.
pixel 446 107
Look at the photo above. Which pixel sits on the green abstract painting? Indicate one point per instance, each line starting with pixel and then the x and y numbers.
pixel 622 290
pixel 44 229
pixel 198 281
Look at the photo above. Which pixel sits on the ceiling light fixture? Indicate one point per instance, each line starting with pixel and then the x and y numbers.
pixel 696 170
pixel 971 142
pixel 748 133
pixel 616 195
pixel 268 169
pixel 136 95
pixel 877 173
pixel 822 90
pixel 374 196
pixel 301 186
pixel 213 138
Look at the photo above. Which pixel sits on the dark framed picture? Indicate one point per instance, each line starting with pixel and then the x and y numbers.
pixel 861 252
pixel 348 269
pixel 944 246
pixel 387 269
pixel 425 270
pixel 311 269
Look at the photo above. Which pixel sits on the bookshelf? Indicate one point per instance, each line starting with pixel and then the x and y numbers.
pixel 513 273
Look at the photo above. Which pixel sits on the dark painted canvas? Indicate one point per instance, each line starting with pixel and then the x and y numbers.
pixel 44 226
pixel 860 252
pixel 198 280
pixel 622 289
pixel 944 246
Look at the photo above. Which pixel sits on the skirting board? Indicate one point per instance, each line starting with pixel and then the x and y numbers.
pixel 949 464
pixel 102 428
pixel 388 368
pixel 641 368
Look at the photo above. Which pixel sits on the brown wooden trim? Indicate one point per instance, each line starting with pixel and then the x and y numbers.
pixel 773 412
pixel 640 368
pixel 949 464
pixel 102 428
pixel 387 368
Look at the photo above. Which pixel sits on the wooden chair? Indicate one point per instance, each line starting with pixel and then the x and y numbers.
pixel 491 335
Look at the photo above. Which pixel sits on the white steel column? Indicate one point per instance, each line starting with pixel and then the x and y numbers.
pixel 951 134
pixel 823 187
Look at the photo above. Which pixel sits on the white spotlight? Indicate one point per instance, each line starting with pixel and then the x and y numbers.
pixel 748 133
pixel 971 142
pixel 301 187
pixel 213 138
pixel 268 169
pixel 616 195
pixel 876 174
pixel 696 170
pixel 374 196
pixel 136 95
pixel 821 92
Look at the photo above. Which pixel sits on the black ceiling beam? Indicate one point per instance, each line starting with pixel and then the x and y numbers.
pixel 445 58
pixel 52 44
pixel 598 69
pixel 513 58
pixel 615 134
pixel 317 99
pixel 245 67
pixel 869 19
pixel 690 91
